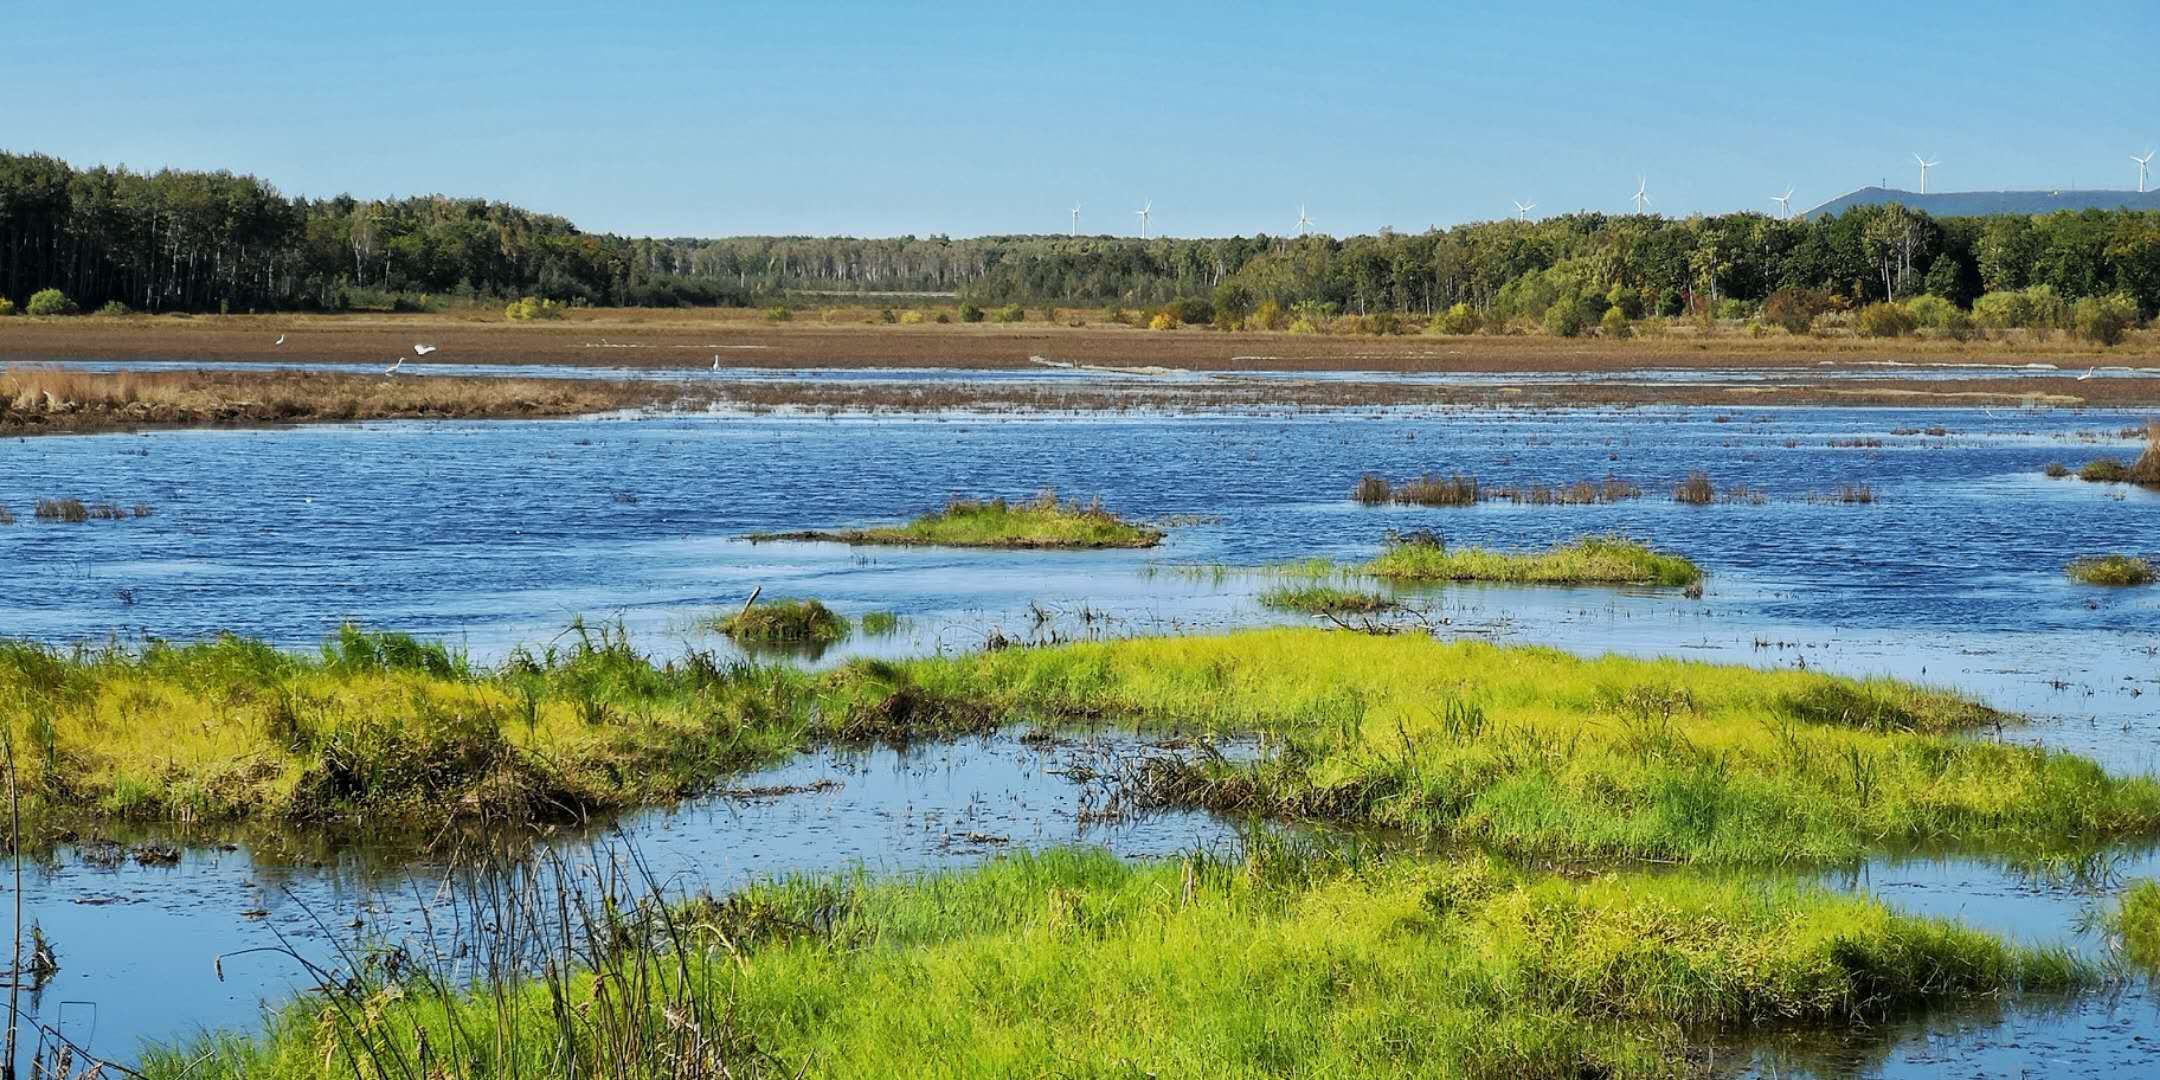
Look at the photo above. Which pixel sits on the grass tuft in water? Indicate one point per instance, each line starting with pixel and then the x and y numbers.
pixel 1043 522
pixel 2112 570
pixel 1317 599
pixel 783 622
pixel 1593 560
pixel 881 623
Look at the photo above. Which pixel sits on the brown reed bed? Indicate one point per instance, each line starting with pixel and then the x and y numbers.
pixel 50 400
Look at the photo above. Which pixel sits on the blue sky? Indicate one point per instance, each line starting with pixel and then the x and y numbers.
pixel 684 118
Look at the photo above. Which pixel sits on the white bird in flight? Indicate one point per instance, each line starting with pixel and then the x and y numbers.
pixel 392 369
pixel 280 340
pixel 422 350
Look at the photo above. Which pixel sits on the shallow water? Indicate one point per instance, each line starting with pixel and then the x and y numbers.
pixel 495 534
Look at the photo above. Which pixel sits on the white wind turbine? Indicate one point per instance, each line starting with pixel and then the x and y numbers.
pixel 1076 219
pixel 1305 224
pixel 2142 162
pixel 1784 201
pixel 1641 198
pixel 1925 165
pixel 1522 209
pixel 1143 215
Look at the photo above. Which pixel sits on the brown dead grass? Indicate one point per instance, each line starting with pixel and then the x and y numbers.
pixel 47 400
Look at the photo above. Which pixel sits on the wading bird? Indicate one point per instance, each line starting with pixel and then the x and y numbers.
pixel 716 361
pixel 280 340
pixel 2088 374
pixel 392 369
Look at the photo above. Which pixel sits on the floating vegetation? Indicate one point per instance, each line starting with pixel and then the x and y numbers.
pixel 1846 494
pixel 2144 471
pixel 75 511
pixel 2112 570
pixel 1596 560
pixel 1043 522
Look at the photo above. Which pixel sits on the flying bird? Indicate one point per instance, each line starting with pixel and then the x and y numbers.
pixel 392 369
pixel 422 350
pixel 280 340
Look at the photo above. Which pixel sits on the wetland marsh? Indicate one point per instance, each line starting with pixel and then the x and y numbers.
pixel 1874 708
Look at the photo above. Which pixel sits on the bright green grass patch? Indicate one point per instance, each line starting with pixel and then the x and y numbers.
pixel 1043 522
pixel 881 623
pixel 1538 753
pixel 1588 561
pixel 1074 963
pixel 1325 600
pixel 383 732
pixel 2111 570
pixel 2136 920
pixel 783 622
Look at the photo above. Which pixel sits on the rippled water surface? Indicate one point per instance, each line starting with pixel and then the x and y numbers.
pixel 495 534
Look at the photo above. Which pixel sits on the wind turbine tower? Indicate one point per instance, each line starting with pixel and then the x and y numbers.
pixel 1925 165
pixel 1641 197
pixel 1305 224
pixel 1143 215
pixel 1076 219
pixel 1522 209
pixel 1784 201
pixel 2142 162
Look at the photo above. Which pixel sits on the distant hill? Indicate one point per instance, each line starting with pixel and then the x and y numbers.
pixel 1983 203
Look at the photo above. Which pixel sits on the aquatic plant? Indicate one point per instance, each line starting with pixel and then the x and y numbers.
pixel 1595 560
pixel 2111 570
pixel 2135 921
pixel 1267 961
pixel 1545 755
pixel 1317 599
pixel 1696 490
pixel 1042 522
pixel 880 623
pixel 783 622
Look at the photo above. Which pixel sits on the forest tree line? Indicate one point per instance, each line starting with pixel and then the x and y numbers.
pixel 206 241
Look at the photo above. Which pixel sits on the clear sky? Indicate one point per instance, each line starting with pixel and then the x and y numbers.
pixel 678 118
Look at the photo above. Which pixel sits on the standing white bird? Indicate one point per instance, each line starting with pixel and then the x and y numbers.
pixel 716 361
pixel 2088 374
pixel 280 340
pixel 422 350
pixel 392 369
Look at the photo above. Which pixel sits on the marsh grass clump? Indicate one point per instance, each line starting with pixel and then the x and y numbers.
pixel 881 623
pixel 2136 922
pixel 1536 754
pixel 1612 489
pixel 7 517
pixel 1592 560
pixel 784 622
pixel 1434 489
pixel 1372 489
pixel 1232 964
pixel 2056 470
pixel 2112 570
pixel 1042 522
pixel 2104 471
pixel 1319 599
pixel 67 510
pixel 1696 490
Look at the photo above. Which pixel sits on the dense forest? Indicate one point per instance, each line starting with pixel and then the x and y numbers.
pixel 207 241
